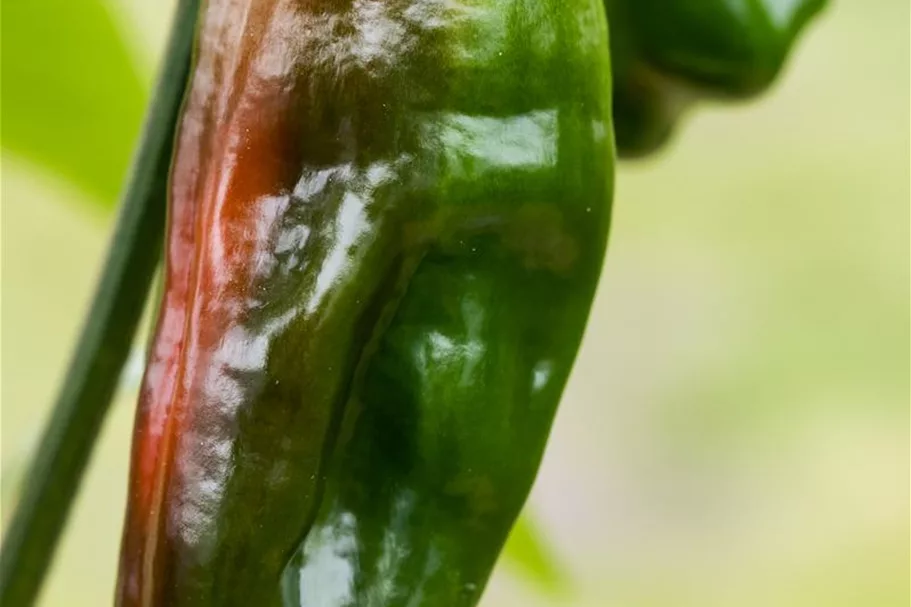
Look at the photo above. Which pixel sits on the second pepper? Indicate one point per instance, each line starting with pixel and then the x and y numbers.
pixel 669 54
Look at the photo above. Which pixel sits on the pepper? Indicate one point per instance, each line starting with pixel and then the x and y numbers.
pixel 668 55
pixel 387 220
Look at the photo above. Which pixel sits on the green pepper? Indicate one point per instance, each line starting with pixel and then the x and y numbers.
pixel 669 54
pixel 387 222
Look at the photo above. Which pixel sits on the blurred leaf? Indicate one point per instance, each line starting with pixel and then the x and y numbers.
pixel 528 553
pixel 10 477
pixel 72 97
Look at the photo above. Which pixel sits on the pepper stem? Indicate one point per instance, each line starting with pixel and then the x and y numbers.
pixel 92 377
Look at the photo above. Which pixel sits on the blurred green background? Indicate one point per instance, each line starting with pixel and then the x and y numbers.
pixel 736 431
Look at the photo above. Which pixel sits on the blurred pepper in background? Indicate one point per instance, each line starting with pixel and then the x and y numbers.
pixel 669 54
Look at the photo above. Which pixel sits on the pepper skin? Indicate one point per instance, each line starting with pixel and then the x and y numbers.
pixel 387 222
pixel 669 54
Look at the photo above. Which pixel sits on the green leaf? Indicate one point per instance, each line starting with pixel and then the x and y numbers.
pixel 527 552
pixel 73 97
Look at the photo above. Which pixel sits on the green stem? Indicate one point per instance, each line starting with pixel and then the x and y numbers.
pixel 53 478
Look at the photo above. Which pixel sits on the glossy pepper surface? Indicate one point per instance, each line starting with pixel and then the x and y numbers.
pixel 669 54
pixel 387 221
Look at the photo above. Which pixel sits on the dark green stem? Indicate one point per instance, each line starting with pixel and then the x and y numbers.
pixel 53 478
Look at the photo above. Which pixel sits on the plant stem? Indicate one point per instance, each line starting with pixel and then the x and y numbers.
pixel 53 477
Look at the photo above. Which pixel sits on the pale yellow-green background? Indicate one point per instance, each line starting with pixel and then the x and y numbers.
pixel 736 431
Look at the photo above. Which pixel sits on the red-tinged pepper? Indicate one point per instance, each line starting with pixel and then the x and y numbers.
pixel 387 222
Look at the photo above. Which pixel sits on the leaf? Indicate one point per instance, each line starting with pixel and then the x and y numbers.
pixel 527 552
pixel 73 97
pixel 10 477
